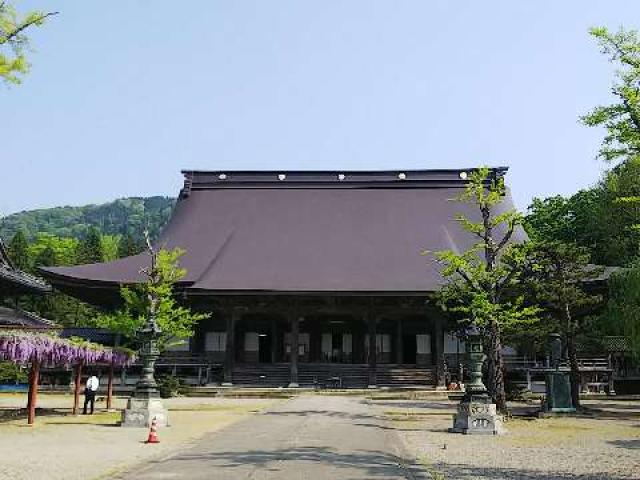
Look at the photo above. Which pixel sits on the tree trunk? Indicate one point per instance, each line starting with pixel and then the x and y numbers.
pixel 575 371
pixel 76 392
pixel 495 382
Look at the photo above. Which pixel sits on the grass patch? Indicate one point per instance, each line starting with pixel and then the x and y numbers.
pixel 98 418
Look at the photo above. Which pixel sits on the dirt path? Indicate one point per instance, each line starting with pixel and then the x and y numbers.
pixel 308 437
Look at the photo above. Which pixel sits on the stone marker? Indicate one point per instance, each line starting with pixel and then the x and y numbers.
pixel 557 380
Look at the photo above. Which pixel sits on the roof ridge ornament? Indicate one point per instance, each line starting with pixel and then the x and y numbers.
pixel 427 178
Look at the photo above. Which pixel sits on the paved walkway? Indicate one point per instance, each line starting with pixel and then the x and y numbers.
pixel 308 437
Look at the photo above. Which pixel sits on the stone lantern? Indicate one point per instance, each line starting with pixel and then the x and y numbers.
pixel 145 404
pixel 476 411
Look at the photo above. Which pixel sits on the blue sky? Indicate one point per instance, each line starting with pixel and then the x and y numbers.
pixel 122 95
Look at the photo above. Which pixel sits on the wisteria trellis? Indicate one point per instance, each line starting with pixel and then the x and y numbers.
pixel 50 350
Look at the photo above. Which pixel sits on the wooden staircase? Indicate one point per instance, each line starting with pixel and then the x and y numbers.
pixel 405 376
pixel 262 374
pixel 322 375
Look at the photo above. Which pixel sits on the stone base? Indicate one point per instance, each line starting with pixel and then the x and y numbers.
pixel 558 386
pixel 141 411
pixel 293 385
pixel 477 418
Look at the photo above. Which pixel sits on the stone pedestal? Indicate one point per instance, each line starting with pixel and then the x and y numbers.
pixel 477 416
pixel 558 391
pixel 141 411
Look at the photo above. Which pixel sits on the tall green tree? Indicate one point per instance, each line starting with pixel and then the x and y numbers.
pixel 19 251
pixel 593 218
pixel 46 258
pixel 481 281
pixel 557 277
pixel 110 244
pixel 622 316
pixel 65 249
pixel 14 42
pixel 90 247
pixel 155 297
pixel 128 246
pixel 621 119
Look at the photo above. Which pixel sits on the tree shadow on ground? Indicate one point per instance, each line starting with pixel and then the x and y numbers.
pixel 415 404
pixel 370 463
pixel 384 427
pixel 11 414
pixel 600 406
pixel 45 414
pixel 325 413
pixel 601 414
pixel 631 444
pixel 470 472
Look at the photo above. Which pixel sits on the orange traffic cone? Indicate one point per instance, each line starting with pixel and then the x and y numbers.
pixel 153 433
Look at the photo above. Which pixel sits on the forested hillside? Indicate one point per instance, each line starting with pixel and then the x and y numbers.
pixel 125 216
pixel 76 235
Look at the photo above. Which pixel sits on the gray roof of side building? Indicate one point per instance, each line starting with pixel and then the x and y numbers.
pixel 14 281
pixel 15 318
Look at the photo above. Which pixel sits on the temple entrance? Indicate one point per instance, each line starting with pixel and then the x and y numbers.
pixel 409 349
pixel 264 348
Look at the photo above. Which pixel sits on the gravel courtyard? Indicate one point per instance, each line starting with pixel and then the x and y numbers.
pixel 61 446
pixel 310 435
pixel 605 445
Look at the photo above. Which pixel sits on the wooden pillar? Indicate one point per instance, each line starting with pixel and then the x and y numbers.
pixel 295 337
pixel 230 349
pixel 77 386
pixel 612 389
pixel 438 351
pixel 373 357
pixel 34 377
pixel 274 340
pixel 110 387
pixel 399 344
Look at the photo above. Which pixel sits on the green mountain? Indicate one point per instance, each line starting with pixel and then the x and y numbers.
pixel 120 217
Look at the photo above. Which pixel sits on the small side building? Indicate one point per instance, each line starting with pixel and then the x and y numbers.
pixel 13 283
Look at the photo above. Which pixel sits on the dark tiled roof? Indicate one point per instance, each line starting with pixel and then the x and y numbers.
pixel 13 280
pixel 297 232
pixel 98 335
pixel 16 318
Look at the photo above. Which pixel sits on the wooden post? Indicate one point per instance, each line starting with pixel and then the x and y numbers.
pixel 229 353
pixel 77 385
pixel 373 353
pixel 274 340
pixel 34 376
pixel 438 352
pixel 399 345
pixel 110 387
pixel 295 334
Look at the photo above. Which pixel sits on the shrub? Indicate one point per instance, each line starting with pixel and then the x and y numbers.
pixel 169 386
pixel 12 373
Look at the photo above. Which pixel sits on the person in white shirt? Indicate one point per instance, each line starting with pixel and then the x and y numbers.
pixel 90 393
